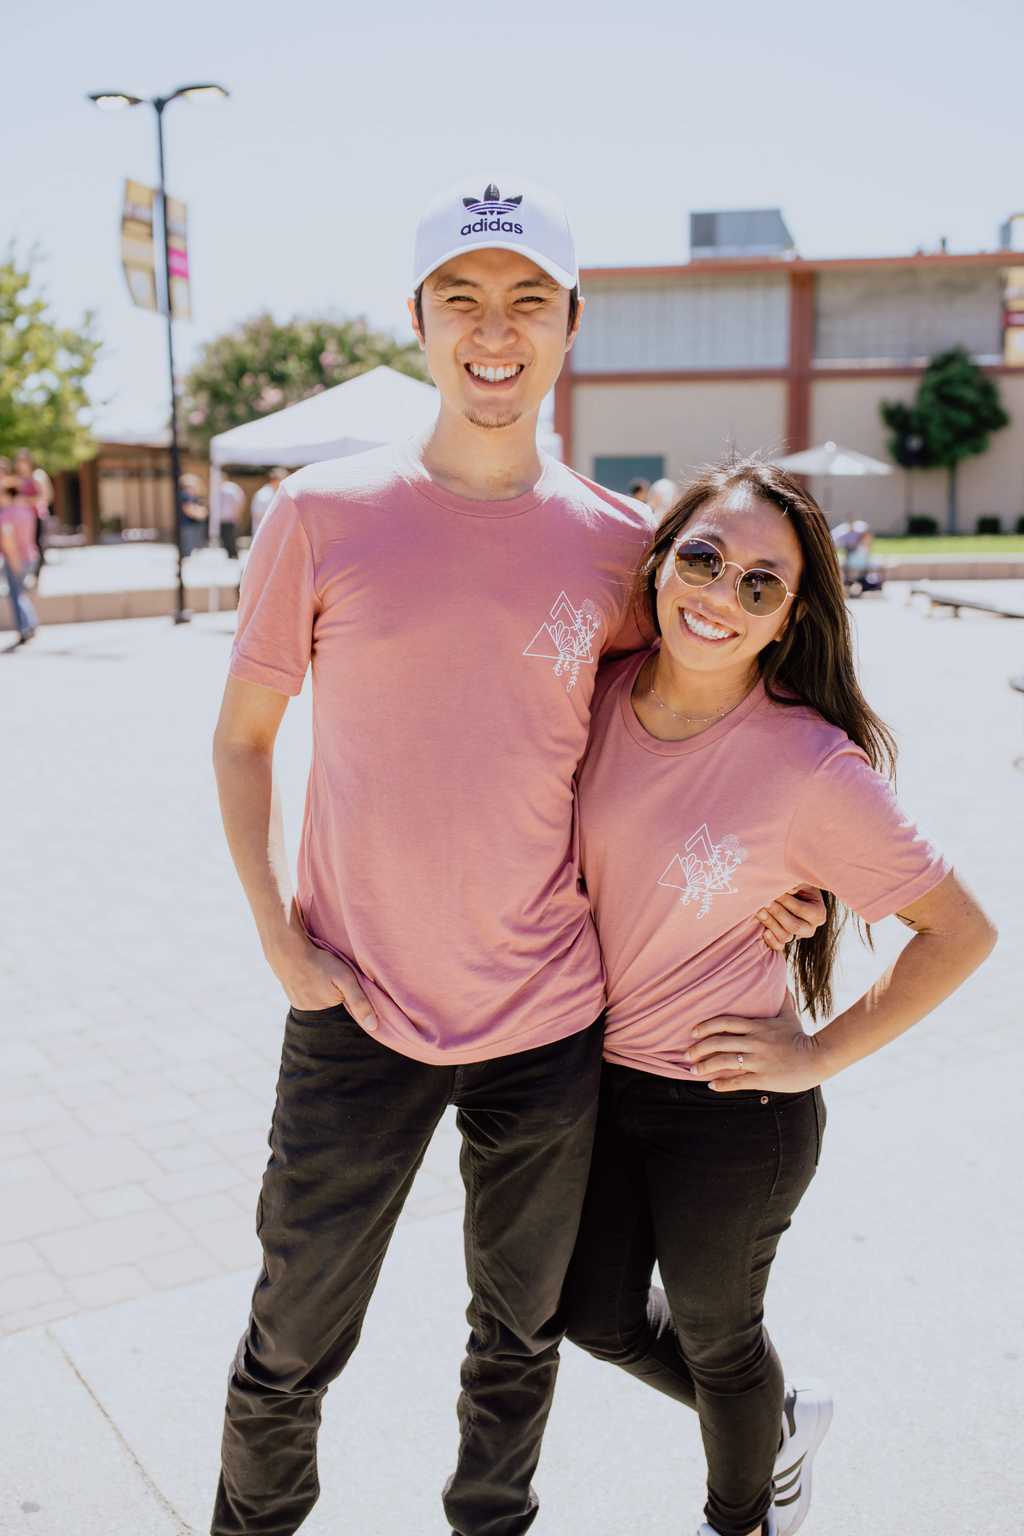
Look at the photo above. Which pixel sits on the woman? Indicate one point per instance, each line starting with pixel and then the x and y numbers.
pixel 16 552
pixel 37 492
pixel 736 758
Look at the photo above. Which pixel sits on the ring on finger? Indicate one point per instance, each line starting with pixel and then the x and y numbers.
pixel 739 1058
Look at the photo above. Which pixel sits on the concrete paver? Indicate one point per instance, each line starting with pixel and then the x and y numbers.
pixel 65 1466
pixel 141 1030
pixel 100 1162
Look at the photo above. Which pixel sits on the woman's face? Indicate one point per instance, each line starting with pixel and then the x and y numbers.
pixel 23 464
pixel 750 532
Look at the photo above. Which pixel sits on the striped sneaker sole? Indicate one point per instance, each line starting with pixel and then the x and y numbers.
pixel 792 1483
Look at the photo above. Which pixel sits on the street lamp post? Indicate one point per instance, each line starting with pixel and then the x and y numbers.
pixel 113 101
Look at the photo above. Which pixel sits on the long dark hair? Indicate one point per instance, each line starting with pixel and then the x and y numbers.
pixel 811 665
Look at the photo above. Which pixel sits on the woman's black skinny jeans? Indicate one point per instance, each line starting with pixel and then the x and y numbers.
pixel 705 1183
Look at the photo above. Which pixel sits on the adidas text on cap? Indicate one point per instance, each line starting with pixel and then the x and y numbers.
pixel 474 216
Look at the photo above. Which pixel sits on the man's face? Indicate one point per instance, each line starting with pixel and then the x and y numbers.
pixel 495 335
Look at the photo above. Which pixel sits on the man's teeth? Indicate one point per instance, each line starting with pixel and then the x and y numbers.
pixel 495 375
pixel 702 627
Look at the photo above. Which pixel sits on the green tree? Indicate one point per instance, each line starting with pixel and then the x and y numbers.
pixel 262 365
pixel 958 407
pixel 43 372
pixel 907 444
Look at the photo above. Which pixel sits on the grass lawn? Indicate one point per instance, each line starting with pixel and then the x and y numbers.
pixel 965 544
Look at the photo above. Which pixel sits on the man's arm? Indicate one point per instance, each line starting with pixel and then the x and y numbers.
pixel 796 914
pixel 243 759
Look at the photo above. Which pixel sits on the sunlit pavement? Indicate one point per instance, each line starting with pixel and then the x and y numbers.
pixel 141 1030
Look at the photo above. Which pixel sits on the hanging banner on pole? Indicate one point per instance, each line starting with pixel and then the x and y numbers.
pixel 138 253
pixel 177 259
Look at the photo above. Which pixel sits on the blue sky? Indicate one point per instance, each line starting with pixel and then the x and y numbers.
pixel 876 127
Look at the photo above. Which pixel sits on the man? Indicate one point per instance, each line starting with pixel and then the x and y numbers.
pixel 260 504
pixel 230 506
pixel 195 519
pixel 455 596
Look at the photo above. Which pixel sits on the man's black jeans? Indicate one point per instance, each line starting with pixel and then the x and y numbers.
pixel 705 1183
pixel 351 1125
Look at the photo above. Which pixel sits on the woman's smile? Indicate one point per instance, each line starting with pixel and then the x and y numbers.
pixel 702 629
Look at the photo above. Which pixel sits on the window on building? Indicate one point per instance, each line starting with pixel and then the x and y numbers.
pixel 618 470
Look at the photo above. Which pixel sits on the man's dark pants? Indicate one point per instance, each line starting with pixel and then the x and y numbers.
pixel 352 1122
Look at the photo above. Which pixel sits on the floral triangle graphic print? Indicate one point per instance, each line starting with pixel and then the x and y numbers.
pixel 567 638
pixel 704 869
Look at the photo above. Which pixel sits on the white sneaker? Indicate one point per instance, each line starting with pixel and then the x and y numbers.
pixel 807 1414
pixel 769 1525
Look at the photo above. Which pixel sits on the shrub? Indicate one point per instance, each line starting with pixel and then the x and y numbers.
pixel 989 523
pixel 919 526
pixel 1019 528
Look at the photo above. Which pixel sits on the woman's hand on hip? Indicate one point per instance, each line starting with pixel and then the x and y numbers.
pixel 771 1054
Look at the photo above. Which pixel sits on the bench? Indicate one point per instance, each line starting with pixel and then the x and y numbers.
pixel 1017 684
pixel 977 604
pixel 64 538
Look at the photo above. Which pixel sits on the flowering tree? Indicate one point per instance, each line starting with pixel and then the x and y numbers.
pixel 263 365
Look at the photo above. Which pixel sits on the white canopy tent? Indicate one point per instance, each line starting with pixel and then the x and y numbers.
pixel 380 406
pixel 376 407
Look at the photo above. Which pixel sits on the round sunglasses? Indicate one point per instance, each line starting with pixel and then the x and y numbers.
pixel 758 592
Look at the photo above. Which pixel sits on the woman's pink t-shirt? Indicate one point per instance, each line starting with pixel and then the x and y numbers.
pixel 683 841
pixel 454 646
pixel 21 519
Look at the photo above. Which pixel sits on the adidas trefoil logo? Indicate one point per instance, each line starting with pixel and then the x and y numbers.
pixel 492 202
pixel 492 212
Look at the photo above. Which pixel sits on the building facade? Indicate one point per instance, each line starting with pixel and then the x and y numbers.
pixel 125 492
pixel 676 366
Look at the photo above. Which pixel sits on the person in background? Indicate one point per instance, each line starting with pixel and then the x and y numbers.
pixel 194 521
pixel 861 573
pixel 264 496
pixel 14 513
pixel 21 518
pixel 661 496
pixel 639 489
pixel 230 506
pixel 36 489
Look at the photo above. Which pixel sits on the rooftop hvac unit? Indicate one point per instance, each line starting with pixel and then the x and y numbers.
pixel 1011 234
pixel 739 232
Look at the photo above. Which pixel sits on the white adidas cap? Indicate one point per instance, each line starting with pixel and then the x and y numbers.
pixel 474 215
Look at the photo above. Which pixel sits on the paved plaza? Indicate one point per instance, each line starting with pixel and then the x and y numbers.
pixel 141 1032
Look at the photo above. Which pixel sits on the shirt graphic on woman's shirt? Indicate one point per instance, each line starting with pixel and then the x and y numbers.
pixel 567 638
pixel 704 869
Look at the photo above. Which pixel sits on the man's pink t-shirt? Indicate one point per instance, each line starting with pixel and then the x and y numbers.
pixel 454 646
pixel 683 841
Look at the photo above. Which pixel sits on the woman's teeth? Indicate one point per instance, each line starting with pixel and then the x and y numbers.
pixel 704 629
pixel 494 375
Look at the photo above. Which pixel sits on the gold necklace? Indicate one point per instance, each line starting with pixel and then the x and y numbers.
pixel 678 714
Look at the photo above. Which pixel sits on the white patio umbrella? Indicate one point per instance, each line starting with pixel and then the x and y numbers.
pixel 830 459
